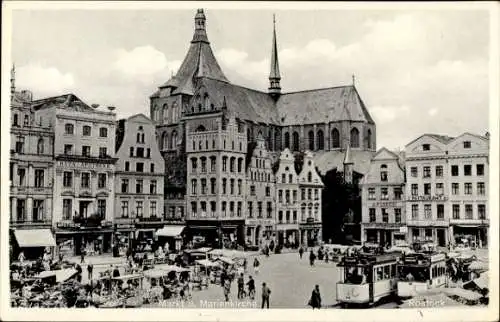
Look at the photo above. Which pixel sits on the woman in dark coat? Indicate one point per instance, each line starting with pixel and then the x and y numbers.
pixel 315 300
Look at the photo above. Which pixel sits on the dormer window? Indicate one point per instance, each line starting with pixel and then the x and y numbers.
pixel 383 172
pixel 426 147
pixel 467 144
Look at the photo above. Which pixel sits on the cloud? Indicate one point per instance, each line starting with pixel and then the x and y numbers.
pixel 143 61
pixel 45 80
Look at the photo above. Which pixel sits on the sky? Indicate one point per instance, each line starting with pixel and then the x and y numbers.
pixel 417 71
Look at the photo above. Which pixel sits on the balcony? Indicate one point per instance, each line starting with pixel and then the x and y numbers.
pixel 152 219
pixel 428 223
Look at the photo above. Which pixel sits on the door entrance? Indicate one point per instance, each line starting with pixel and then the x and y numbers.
pixel 441 240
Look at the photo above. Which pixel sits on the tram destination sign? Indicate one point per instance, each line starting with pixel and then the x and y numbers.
pixel 427 198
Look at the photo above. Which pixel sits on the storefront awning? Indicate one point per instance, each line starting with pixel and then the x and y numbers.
pixel 170 231
pixel 34 238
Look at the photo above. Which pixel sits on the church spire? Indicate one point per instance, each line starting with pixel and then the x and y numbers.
pixel 274 75
pixel 200 72
pixel 200 32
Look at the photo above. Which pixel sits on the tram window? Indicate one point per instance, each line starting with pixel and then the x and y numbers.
pixel 380 273
pixel 393 270
pixel 387 272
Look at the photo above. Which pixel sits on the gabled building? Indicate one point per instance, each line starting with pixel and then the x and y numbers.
pixel 383 203
pixel 84 169
pixel 311 189
pixel 138 179
pixel 199 96
pixel 31 172
pixel 287 191
pixel 260 195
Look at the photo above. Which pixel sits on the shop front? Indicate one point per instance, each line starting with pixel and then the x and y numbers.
pixel 438 235
pixel 258 230
pixel 288 235
pixel 33 242
pixel 170 237
pixel 470 235
pixel 71 240
pixel 216 234
pixel 310 234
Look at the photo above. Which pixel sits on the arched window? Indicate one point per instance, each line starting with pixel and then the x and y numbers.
pixel 39 147
pixel 287 140
pixel 277 141
pixel 206 103
pixel 320 140
pixel 174 140
pixel 369 139
pixel 174 112
pixel 309 176
pixel 165 113
pixel 295 139
pixel 311 140
pixel 249 135
pixel 164 141
pixel 354 138
pixel 335 139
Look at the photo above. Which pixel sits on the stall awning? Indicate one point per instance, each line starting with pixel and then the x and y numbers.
pixel 34 238
pixel 170 231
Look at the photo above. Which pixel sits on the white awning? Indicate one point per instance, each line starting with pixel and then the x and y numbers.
pixel 170 231
pixel 34 238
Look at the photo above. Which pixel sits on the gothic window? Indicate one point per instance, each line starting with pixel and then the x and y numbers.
pixel 311 140
pixel 206 104
pixel 277 141
pixel 164 140
pixel 320 140
pixel 369 139
pixel 174 140
pixel 174 112
pixel 335 138
pixel 249 135
pixel 287 140
pixel 165 113
pixel 39 147
pixel 309 176
pixel 354 138
pixel 295 141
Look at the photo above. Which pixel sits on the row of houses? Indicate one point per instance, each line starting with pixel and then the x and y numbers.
pixel 91 181
pixel 435 190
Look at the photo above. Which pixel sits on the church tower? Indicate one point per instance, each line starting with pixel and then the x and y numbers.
pixel 274 75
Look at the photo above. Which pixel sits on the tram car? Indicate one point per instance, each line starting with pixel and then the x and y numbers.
pixel 421 272
pixel 367 278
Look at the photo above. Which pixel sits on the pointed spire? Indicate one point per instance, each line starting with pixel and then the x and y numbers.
pixel 200 32
pixel 353 80
pixel 347 157
pixel 274 75
pixel 13 79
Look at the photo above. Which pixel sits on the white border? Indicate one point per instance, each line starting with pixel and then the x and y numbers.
pixel 455 314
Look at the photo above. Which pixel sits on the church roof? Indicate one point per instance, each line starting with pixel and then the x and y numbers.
pixel 242 102
pixel 322 106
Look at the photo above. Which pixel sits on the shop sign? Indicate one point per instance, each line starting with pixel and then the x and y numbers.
pixel 428 198
pixel 386 204
pixel 403 229
pixel 124 226
pixel 256 222
pixel 83 165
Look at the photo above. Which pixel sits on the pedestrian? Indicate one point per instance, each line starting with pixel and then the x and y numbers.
pixel 90 268
pixel 301 252
pixel 241 286
pixel 251 287
pixel 21 257
pixel 116 272
pixel 315 300
pixel 326 257
pixel 256 265
pixel 223 278
pixel 227 289
pixel 266 292
pixel 82 255
pixel 245 265
pixel 312 257
pixel 78 273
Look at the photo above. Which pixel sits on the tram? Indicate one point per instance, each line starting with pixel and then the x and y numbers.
pixel 367 278
pixel 421 272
